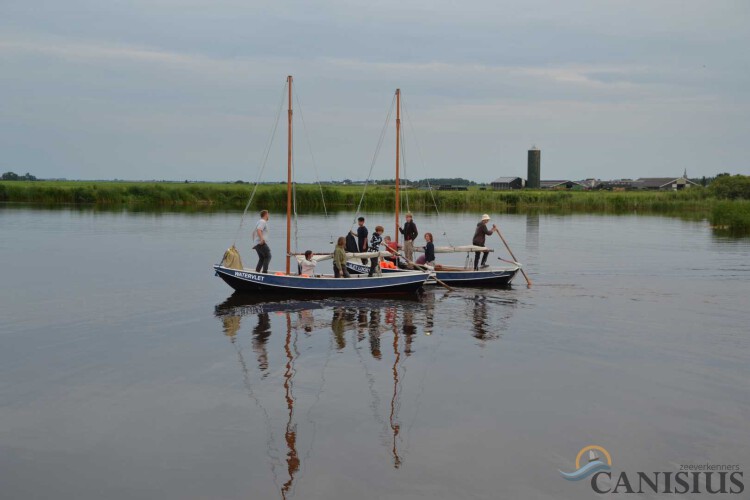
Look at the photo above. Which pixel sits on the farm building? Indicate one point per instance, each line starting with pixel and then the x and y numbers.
pixel 505 183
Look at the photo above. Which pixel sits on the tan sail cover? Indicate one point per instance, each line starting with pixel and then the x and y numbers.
pixel 232 259
pixel 349 255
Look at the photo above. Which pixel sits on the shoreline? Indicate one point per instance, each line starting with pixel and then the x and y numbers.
pixel 694 203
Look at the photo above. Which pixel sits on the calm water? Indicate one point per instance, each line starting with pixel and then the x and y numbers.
pixel 127 370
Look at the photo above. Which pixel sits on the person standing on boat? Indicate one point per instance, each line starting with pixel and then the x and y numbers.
pixel 410 234
pixel 480 234
pixel 362 236
pixel 339 259
pixel 260 242
pixel 375 243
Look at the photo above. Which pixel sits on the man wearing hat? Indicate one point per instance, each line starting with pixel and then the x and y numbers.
pixel 410 234
pixel 479 235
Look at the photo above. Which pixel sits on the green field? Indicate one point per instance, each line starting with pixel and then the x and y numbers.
pixel 692 203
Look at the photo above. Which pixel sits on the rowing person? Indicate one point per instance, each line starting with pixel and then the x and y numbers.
pixel 480 233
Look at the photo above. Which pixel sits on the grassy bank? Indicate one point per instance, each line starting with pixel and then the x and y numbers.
pixel 732 216
pixel 273 197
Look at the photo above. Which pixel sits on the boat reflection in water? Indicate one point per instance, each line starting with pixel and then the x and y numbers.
pixel 388 331
pixel 479 305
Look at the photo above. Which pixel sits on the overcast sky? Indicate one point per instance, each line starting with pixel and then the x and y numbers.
pixel 189 89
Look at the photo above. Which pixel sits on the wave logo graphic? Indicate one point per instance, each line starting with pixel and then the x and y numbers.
pixel 595 463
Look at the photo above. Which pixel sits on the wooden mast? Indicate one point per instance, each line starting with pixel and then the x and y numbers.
pixel 289 180
pixel 398 146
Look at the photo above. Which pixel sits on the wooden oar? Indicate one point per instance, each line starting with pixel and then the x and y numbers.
pixel 508 261
pixel 425 268
pixel 528 281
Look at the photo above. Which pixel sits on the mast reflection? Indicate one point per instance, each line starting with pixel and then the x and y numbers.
pixel 365 326
pixel 395 427
pixel 292 457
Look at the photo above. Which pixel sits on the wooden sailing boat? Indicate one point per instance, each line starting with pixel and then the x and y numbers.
pixel 249 280
pixel 449 275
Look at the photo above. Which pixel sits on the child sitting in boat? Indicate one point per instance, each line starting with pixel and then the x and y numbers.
pixel 308 264
pixel 428 257
pixel 429 250
pixel 392 248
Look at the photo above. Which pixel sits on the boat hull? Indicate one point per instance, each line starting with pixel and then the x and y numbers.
pixel 488 278
pixel 249 281
pixel 458 277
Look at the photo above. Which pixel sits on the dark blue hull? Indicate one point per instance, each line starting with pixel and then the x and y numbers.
pixel 488 278
pixel 248 281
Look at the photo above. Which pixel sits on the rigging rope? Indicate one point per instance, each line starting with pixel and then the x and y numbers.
pixel 312 156
pixel 374 159
pixel 271 446
pixel 264 160
pixel 424 167
pixel 294 208
pixel 405 192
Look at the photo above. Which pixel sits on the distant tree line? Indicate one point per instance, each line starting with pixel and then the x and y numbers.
pixel 705 181
pixel 731 187
pixel 12 176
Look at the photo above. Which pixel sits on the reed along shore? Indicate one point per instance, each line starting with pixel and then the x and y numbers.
pixel 695 202
pixel 273 196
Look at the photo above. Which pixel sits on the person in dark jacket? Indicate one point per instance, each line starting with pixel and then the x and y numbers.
pixel 410 235
pixel 429 250
pixel 351 244
pixel 480 234
pixel 362 236
pixel 375 242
